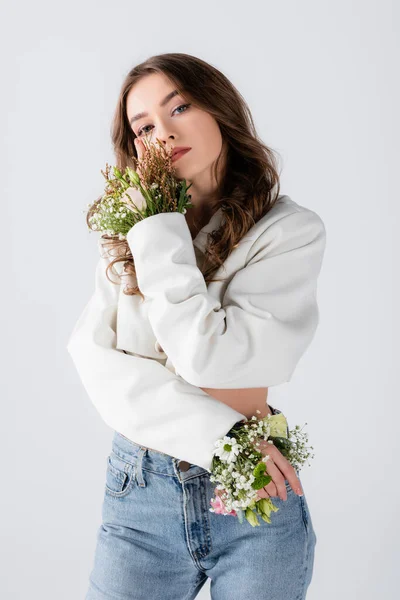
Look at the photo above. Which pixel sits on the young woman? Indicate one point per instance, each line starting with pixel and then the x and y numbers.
pixel 219 305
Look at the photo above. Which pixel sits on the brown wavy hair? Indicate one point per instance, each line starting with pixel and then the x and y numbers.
pixel 249 185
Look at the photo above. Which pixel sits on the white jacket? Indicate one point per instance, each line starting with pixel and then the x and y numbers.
pixel 142 363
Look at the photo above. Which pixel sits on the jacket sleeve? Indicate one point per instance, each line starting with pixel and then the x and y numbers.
pixel 267 317
pixel 137 396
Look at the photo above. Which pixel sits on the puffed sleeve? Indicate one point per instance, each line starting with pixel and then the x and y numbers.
pixel 139 397
pixel 257 333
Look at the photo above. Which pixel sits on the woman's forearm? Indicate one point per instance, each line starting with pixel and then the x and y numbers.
pixel 246 401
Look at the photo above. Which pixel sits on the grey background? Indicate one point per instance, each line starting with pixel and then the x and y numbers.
pixel 321 79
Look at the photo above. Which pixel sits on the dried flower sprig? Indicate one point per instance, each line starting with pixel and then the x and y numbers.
pixel 239 467
pixel 132 195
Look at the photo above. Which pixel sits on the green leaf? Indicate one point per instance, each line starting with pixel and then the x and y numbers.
pixel 261 482
pixel 282 443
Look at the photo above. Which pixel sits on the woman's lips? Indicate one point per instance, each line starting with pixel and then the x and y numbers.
pixel 179 154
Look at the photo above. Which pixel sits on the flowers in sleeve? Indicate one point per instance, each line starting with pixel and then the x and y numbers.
pixel 239 467
pixel 132 195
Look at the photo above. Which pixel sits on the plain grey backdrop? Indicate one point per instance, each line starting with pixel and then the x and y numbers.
pixel 322 81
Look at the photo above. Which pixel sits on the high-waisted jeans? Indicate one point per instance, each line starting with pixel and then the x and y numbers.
pixel 158 539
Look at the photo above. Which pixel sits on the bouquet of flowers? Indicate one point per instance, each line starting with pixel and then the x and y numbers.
pixel 239 467
pixel 133 195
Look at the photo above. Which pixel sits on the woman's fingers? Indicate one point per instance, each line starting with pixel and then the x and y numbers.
pixel 268 490
pixel 278 480
pixel 140 149
pixel 280 469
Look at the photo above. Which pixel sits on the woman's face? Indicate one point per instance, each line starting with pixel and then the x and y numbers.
pixel 176 122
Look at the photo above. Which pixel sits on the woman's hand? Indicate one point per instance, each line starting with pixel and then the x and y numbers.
pixel 280 469
pixel 140 149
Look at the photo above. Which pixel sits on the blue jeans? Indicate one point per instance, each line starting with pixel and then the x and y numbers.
pixel 159 541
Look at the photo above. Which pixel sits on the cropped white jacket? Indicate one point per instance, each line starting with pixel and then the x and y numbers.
pixel 142 363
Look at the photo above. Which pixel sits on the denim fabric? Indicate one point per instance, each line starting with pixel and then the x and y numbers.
pixel 159 541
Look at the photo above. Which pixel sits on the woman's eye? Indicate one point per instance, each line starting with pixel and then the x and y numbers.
pixel 182 106
pixel 185 106
pixel 142 129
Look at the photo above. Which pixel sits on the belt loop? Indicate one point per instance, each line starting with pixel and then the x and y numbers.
pixel 175 464
pixel 138 466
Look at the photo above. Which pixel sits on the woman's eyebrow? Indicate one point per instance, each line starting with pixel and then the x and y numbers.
pixel 162 103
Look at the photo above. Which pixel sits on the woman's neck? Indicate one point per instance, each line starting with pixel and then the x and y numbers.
pixel 197 218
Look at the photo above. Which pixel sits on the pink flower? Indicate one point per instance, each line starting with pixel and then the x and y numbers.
pixel 219 506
